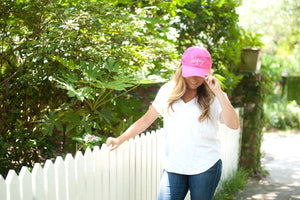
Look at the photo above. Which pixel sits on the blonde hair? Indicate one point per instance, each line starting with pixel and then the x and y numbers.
pixel 205 95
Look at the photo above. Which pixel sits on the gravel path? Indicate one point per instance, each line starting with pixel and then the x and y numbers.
pixel 282 160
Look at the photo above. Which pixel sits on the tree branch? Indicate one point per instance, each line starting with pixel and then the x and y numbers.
pixel 19 69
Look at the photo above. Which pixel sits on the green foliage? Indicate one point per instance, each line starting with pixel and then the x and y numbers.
pixel 230 187
pixel 282 35
pixel 87 140
pixel 250 39
pixel 72 68
pixel 213 26
pixel 280 113
pixel 250 95
pixel 282 116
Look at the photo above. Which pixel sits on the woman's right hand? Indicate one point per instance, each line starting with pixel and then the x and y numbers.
pixel 113 143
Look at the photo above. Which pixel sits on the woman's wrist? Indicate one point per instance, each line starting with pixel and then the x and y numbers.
pixel 219 93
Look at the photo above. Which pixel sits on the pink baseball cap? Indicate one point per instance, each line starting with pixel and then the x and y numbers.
pixel 196 61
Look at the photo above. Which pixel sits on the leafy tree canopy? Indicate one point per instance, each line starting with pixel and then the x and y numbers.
pixel 66 65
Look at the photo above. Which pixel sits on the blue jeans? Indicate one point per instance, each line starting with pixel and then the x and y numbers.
pixel 202 186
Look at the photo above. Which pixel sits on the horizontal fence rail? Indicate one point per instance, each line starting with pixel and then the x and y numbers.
pixel 131 172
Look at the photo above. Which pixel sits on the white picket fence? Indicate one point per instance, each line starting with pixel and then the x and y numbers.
pixel 132 172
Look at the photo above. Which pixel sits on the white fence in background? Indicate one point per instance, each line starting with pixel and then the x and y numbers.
pixel 132 172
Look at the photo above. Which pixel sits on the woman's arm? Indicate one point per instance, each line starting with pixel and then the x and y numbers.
pixel 228 114
pixel 136 128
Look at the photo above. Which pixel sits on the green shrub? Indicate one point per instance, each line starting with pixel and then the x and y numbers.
pixel 230 187
pixel 279 113
pixel 282 115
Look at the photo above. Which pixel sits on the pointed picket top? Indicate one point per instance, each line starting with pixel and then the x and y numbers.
pixel 88 158
pixel 13 186
pixel 104 147
pixel 48 165
pixel 69 159
pixel 148 134
pixel 25 179
pixel 58 161
pixel 78 155
pixel 96 155
pixel 137 137
pixel 2 188
pixel 87 152
pixel 96 148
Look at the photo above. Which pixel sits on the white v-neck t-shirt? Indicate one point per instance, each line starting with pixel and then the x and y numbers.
pixel 191 147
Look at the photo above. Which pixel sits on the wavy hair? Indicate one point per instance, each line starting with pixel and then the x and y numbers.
pixel 205 95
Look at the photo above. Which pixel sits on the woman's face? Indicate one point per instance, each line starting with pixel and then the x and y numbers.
pixel 193 82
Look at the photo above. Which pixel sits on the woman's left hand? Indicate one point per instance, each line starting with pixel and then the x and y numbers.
pixel 213 84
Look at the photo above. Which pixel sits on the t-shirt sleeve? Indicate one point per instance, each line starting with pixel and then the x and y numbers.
pixel 160 102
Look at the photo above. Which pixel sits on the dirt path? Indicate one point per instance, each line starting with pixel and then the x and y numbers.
pixel 282 160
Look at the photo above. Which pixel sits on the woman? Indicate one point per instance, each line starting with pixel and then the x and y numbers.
pixel 191 104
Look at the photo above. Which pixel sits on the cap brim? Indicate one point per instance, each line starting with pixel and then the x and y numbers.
pixel 188 71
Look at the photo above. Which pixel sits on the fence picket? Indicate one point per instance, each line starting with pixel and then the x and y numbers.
pixel 153 166
pixel 89 173
pixel 113 175
pixel 79 176
pixel 70 177
pixel 38 182
pixel 25 180
pixel 149 166
pixel 60 178
pixel 49 179
pixel 98 173
pixel 144 166
pixel 105 168
pixel 2 188
pixel 130 170
pixel 13 186
pixel 160 153
pixel 138 171
pixel 119 172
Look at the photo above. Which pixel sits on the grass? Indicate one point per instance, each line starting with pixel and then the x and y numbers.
pixel 229 188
